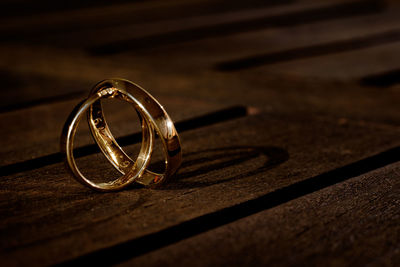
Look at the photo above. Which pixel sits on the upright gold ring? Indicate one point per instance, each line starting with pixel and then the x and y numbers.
pixel 154 119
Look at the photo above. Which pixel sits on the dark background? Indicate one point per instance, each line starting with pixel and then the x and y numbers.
pixel 288 113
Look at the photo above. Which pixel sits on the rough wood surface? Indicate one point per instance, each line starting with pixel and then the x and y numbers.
pixel 357 223
pixel 122 118
pixel 289 118
pixel 225 165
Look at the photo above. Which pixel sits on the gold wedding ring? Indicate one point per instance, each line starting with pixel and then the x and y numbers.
pixel 154 119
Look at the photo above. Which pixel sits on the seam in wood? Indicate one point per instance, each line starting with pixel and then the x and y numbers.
pixel 182 126
pixel 382 80
pixel 42 101
pixel 352 9
pixel 142 245
pixel 339 46
pixel 138 15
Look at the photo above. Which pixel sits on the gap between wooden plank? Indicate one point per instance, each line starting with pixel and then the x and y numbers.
pixel 151 242
pixel 311 51
pixel 66 220
pixel 182 126
pixel 289 19
pixel 350 223
pixel 41 101
pixel 33 27
pixel 382 80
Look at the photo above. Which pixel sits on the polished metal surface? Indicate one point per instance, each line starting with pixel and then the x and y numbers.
pixel 155 120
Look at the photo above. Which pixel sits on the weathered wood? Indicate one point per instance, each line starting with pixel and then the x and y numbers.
pixel 355 222
pixel 339 100
pixel 270 149
pixel 25 141
pixel 74 70
pixel 53 211
pixel 98 16
pixel 185 77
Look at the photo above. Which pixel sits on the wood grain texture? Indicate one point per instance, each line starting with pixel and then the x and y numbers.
pixel 289 118
pixel 201 187
pixel 351 222
pixel 30 137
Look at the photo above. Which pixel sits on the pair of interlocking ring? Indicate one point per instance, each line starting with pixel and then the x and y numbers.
pixel 154 119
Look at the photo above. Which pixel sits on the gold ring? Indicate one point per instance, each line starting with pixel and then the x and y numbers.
pixel 155 120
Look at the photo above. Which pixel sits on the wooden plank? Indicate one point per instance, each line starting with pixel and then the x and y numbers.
pixel 27 90
pixel 274 94
pixel 313 120
pixel 98 17
pixel 355 222
pixel 267 152
pixel 35 65
pixel 66 77
pixel 239 25
pixel 279 39
pixel 26 141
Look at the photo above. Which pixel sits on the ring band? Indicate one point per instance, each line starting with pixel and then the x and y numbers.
pixel 154 120
pixel 160 122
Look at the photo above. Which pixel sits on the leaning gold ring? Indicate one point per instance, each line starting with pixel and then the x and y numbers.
pixel 154 119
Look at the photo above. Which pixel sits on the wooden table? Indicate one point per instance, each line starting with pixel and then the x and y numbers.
pixel 288 113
